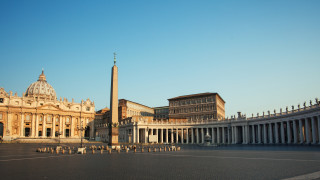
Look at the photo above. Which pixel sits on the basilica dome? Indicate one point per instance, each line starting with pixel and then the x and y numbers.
pixel 41 89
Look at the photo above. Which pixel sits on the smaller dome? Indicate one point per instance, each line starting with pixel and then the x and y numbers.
pixel 41 89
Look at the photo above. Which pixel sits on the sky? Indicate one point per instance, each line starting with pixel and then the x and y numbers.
pixel 258 55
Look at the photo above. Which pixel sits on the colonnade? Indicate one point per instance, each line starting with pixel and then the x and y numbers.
pixel 302 130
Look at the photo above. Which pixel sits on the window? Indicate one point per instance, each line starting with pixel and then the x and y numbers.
pixel 1 100
pixel 68 120
pixel 28 117
pixel 57 119
pixel 88 108
pixel 49 119
pixel 40 118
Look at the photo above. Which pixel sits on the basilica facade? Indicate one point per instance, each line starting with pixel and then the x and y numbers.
pixel 38 114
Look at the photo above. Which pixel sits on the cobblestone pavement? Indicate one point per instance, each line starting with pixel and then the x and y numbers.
pixel 21 161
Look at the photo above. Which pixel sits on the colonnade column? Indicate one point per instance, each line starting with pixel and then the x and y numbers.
pixel 295 138
pixel 192 136
pixel 138 136
pixel 223 135
pixel 264 133
pixel 202 135
pixel 232 134
pixel 282 133
pixel 229 137
pixel 236 135
pixel 307 130
pixel 36 133
pixel 197 135
pixel 270 134
pixel 318 117
pixel 172 135
pixel 301 132
pixel 247 134
pixel 177 135
pixel 167 135
pixel 259 134
pixel 314 138
pixel 187 138
pixel 161 136
pixel 182 136
pixel 289 134
pixel 276 132
pixel 157 133
pixel 213 136
pixel 218 135
pixel 253 129
pixel 243 135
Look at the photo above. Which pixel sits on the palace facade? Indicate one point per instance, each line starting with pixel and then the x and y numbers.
pixel 38 114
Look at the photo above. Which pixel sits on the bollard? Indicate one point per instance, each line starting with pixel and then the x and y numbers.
pixel 51 151
pixel 178 148
pixel 142 149
pixel 62 151
pixel 149 150
pixel 175 149
pixel 70 152
pixel 159 149
pixel 169 149
pixel 134 150
pixel 109 151
pixel 92 151
pixel 57 151
pixel 155 150
pixel 84 151
pixel 102 147
pixel 101 151
pixel 127 150
pixel 118 151
pixel 165 149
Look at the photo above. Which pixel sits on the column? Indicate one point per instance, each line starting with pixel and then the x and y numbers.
pixel 72 126
pixel 314 137
pixel 53 133
pixel 235 134
pixel 259 134
pixel 192 136
pixel 213 136
pixel 276 132
pixel 301 132
pixel 202 135
pixel 62 126
pixel 229 137
pixel 253 134
pixel 146 134
pixel 282 133
pixel 36 125
pixel 44 119
pixel 167 135
pixel 157 133
pixel 177 135
pixel 197 135
pixel 232 134
pixel 270 134
pixel 307 130
pixel 223 135
pixel 187 141
pixel 33 125
pixel 247 134
pixel 161 136
pixel 138 135
pixel 218 135
pixel 182 136
pixel 172 135
pixel 264 134
pixel 295 138
pixel 134 134
pixel 289 132
pixel 22 125
pixel 243 135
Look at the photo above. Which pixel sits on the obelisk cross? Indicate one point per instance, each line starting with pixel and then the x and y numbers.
pixel 114 58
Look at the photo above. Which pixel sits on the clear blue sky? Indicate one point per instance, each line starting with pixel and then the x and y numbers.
pixel 258 55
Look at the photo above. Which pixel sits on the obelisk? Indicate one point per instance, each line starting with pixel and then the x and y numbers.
pixel 114 129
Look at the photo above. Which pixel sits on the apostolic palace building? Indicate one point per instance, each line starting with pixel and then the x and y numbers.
pixel 39 115
pixel 188 119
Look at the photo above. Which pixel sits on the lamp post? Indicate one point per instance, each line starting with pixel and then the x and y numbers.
pixel 80 129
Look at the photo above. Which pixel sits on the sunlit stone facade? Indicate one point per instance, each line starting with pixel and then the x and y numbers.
pixel 38 114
